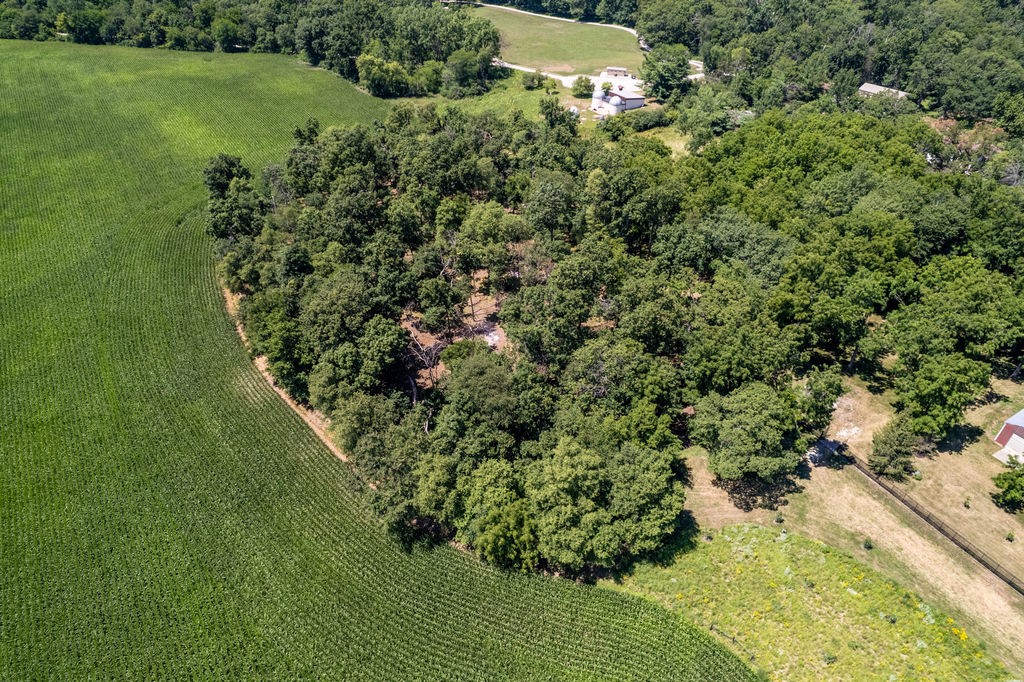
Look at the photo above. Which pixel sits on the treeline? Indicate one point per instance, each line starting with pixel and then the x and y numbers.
pixel 647 303
pixel 956 57
pixel 394 47
pixel 607 11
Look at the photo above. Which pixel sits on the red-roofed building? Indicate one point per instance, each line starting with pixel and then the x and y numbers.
pixel 1011 437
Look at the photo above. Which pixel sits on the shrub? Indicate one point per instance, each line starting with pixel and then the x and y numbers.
pixel 383 78
pixel 1011 488
pixel 582 87
pixel 532 80
pixel 894 447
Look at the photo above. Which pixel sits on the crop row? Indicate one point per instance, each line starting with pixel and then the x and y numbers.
pixel 162 512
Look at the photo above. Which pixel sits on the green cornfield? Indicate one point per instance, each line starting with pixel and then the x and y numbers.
pixel 163 514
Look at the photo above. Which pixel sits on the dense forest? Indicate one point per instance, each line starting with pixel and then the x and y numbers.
pixel 953 56
pixel 517 329
pixel 393 47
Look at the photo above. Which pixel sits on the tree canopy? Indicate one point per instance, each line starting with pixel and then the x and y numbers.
pixel 957 57
pixel 518 329
pixel 393 48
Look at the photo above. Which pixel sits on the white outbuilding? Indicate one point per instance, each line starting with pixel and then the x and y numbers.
pixel 870 90
pixel 615 102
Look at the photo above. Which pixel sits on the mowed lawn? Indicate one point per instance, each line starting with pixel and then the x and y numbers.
pixel 561 46
pixel 163 514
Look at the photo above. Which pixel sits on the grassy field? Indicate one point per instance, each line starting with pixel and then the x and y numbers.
pixel 842 508
pixel 956 485
pixel 673 138
pixel 163 514
pixel 560 46
pixel 804 611
pixel 509 93
pixel 505 94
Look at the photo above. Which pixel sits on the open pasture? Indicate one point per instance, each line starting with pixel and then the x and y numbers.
pixel 562 47
pixel 163 514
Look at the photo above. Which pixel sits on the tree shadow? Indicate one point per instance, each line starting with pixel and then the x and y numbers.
pixel 990 397
pixel 1008 371
pixel 877 383
pixel 682 472
pixel 828 453
pixel 680 426
pixel 413 533
pixel 874 376
pixel 684 538
pixel 959 438
pixel 750 492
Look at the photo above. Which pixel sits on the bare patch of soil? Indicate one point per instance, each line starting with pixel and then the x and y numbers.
pixel 956 485
pixel 711 505
pixel 479 321
pixel 857 416
pixel 316 421
pixel 231 302
pixel 839 502
pixel 424 349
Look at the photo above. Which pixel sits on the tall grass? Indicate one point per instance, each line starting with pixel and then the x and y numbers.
pixel 805 611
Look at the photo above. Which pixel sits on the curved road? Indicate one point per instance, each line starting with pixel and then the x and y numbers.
pixel 549 16
pixel 696 65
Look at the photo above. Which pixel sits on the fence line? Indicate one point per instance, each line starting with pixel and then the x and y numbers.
pixel 732 638
pixel 947 532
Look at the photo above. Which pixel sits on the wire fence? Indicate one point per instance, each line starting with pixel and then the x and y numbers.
pixel 947 532
pixel 732 638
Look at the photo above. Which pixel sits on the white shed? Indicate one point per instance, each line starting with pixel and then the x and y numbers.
pixel 870 90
